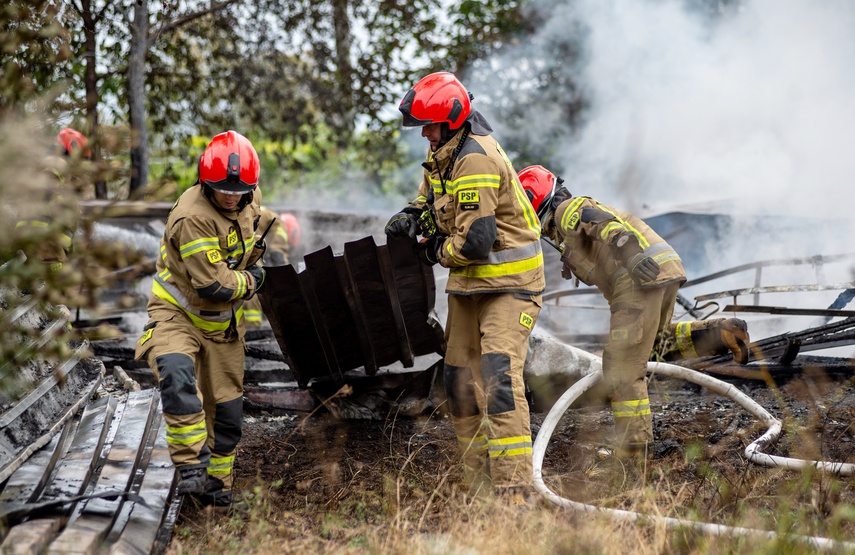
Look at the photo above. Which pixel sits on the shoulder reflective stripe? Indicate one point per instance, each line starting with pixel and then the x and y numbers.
pixel 163 251
pixel 282 233
pixel 198 245
pixel 498 270
pixel 420 198
pixel 684 341
pixel 32 223
pixel 642 240
pixel 528 211
pixel 491 181
pixel 568 214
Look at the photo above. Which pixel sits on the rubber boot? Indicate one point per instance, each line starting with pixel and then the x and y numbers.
pixel 193 481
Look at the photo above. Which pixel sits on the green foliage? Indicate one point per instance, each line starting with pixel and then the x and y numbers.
pixel 34 44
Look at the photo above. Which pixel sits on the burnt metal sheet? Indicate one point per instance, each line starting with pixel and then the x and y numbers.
pixel 103 484
pixel 366 308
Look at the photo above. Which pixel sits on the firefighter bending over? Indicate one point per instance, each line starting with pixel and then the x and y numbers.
pixel 477 222
pixel 639 274
pixel 194 337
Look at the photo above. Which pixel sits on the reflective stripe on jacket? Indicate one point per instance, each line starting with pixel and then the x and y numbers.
pixel 492 242
pixel 201 270
pixel 586 228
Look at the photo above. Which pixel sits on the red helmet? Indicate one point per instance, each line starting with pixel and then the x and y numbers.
pixel 229 164
pixel 539 185
pixel 437 98
pixel 292 226
pixel 73 141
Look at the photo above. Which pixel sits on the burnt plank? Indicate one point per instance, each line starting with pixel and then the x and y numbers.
pixel 334 308
pixel 289 315
pixel 387 272
pixel 366 348
pixel 363 267
pixel 417 295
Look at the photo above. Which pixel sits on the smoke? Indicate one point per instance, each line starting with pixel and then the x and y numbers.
pixel 750 108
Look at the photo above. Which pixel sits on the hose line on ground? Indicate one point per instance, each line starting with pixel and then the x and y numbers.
pixel 753 452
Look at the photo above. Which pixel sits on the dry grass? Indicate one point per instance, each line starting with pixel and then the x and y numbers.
pixel 394 487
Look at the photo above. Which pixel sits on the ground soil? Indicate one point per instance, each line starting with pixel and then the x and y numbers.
pixel 323 477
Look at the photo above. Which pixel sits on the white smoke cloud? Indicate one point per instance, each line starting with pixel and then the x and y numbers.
pixel 754 108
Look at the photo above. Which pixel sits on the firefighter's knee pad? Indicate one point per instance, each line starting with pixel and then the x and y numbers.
pixel 228 425
pixel 495 371
pixel 178 384
pixel 460 390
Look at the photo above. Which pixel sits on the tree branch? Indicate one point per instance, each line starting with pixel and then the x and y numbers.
pixel 186 18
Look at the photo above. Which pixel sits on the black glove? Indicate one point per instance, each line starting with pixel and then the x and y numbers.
pixel 427 251
pixel 257 272
pixel 404 224
pixel 641 267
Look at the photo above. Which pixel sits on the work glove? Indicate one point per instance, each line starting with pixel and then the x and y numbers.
pixel 427 251
pixel 257 272
pixel 641 267
pixel 404 224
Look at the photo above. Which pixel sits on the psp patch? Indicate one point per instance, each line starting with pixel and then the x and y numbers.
pixel 231 239
pixel 526 321
pixel 146 335
pixel 214 256
pixel 464 197
pixel 573 223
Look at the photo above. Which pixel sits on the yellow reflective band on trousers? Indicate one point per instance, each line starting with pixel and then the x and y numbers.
pixel 498 270
pixel 186 435
pixel 490 181
pixel 683 337
pixel 509 446
pixel 477 443
pixel 221 465
pixel 631 409
pixel 198 245
pixel 168 293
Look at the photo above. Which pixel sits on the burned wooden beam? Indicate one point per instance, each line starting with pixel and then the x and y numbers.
pixel 365 309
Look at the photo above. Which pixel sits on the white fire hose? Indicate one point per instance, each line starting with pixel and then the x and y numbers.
pixel 753 452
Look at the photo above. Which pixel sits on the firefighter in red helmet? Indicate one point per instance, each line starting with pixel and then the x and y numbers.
pixel 639 274
pixel 476 222
pixel 194 337
pixel 73 143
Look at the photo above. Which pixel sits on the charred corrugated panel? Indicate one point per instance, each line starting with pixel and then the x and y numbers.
pixel 103 484
pixel 367 308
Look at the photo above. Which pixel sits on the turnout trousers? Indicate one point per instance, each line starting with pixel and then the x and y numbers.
pixel 201 388
pixel 487 343
pixel 638 317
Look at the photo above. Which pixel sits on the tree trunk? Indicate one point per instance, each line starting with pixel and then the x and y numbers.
pixel 343 42
pixel 136 98
pixel 90 79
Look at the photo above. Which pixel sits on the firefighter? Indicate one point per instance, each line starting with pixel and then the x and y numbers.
pixel 48 217
pixel 639 274
pixel 193 340
pixel 277 241
pixel 476 222
pixel 292 227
